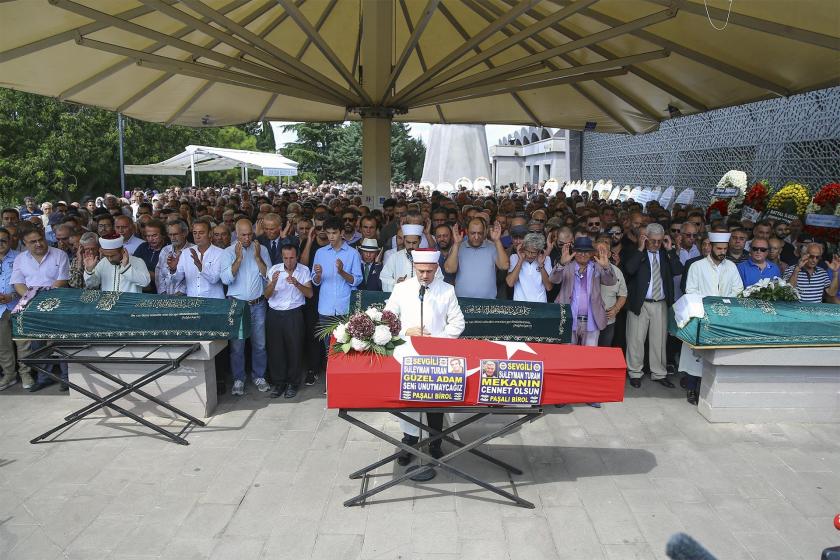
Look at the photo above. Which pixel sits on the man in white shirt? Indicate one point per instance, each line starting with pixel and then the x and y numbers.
pixel 528 274
pixel 115 270
pixel 399 266
pixel 124 226
pixel 442 317
pixel 177 232
pixel 199 267
pixel 713 276
pixel 289 284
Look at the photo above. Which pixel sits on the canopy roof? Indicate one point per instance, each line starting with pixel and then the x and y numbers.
pixel 206 158
pixel 624 65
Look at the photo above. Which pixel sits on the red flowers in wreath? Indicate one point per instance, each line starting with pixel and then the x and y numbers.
pixel 828 196
pixel 827 199
pixel 721 205
pixel 756 197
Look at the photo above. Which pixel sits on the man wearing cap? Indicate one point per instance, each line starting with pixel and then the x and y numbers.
pixel 399 265
pixel 441 318
pixel 114 270
pixel 714 275
pixel 371 270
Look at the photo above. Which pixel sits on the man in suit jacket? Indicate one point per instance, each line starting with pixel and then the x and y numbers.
pixel 369 251
pixel 272 237
pixel 649 297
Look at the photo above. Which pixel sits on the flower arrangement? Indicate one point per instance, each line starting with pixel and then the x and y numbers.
pixel 734 178
pixel 826 202
pixel 793 198
pixel 770 289
pixel 721 205
pixel 756 197
pixel 369 331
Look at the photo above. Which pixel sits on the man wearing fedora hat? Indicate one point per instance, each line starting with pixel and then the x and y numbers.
pixel 580 273
pixel 371 269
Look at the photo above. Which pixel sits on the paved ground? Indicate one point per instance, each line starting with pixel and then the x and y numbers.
pixel 267 478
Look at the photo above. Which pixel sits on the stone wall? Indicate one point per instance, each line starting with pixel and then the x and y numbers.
pixel 796 138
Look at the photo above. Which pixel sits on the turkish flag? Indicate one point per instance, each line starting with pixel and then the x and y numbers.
pixel 572 374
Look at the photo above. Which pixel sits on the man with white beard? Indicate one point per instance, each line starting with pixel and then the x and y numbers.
pixel 713 276
pixel 441 318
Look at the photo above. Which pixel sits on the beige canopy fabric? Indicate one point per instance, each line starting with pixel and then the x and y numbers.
pixel 620 65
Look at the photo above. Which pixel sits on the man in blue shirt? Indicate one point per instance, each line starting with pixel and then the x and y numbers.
pixel 757 267
pixel 8 300
pixel 337 269
pixel 243 270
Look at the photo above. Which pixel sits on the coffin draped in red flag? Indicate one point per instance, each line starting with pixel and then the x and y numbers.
pixel 570 374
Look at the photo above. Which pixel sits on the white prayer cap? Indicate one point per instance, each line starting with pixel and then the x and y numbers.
pixel 412 229
pixel 112 241
pixel 719 237
pixel 425 256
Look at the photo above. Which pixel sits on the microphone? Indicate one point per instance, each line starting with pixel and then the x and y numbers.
pixel 422 291
pixel 682 547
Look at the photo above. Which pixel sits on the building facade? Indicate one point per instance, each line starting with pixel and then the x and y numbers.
pixel 787 139
pixel 536 154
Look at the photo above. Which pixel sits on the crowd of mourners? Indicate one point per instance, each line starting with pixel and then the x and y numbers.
pixel 296 254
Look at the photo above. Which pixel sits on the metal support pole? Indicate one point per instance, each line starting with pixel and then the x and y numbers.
pixel 192 170
pixel 122 164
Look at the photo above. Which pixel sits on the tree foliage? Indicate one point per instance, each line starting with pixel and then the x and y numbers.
pixel 53 150
pixel 333 152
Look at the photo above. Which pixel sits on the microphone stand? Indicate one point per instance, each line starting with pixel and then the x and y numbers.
pixel 429 474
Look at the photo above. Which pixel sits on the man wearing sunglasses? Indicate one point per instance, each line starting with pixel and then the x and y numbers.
pixel 757 266
pixel 811 281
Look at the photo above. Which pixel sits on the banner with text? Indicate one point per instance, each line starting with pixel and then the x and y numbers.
pixel 506 382
pixel 433 379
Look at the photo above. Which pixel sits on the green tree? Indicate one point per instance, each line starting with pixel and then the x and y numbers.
pixel 333 152
pixel 52 150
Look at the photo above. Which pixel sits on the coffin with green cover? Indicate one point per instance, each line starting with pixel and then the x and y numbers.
pixel 68 314
pixel 750 322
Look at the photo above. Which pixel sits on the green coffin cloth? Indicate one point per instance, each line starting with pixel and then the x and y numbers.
pixel 515 321
pixel 751 322
pixel 68 314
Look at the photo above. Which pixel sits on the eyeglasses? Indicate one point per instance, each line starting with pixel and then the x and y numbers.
pixel 690 235
pixel 615 233
pixel 534 231
pixel 538 221
pixel 759 249
pixel 590 224
pixel 349 219
pixel 319 228
pixel 675 230
pixel 813 256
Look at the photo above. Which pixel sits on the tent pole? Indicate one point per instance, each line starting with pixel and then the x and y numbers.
pixel 122 162
pixel 192 169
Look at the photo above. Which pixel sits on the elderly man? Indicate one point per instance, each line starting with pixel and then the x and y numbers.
pixel 199 267
pixel 811 281
pixel 150 250
pixel 399 266
pixel 758 267
pixel 124 226
pixel 8 300
pixel 474 260
pixel 244 268
pixel 737 242
pixel 580 287
pixel 272 237
pixel 442 317
pixel 40 266
pixel 714 275
pixel 529 266
pixel 177 232
pixel 116 270
pixel 650 284
pixel 371 269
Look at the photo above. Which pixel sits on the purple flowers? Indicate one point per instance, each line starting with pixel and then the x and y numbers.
pixel 361 326
pixel 392 321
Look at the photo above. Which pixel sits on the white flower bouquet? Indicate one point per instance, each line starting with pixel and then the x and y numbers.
pixel 372 331
pixel 770 289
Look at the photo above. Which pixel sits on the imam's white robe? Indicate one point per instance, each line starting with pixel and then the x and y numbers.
pixel 395 267
pixel 116 278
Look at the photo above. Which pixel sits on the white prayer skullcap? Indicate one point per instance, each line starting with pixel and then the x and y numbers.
pixel 412 229
pixel 111 242
pixel 425 256
pixel 719 237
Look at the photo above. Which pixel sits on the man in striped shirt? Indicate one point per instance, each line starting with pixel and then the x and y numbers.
pixel 811 281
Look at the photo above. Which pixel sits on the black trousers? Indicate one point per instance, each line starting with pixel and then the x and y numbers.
pixel 284 345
